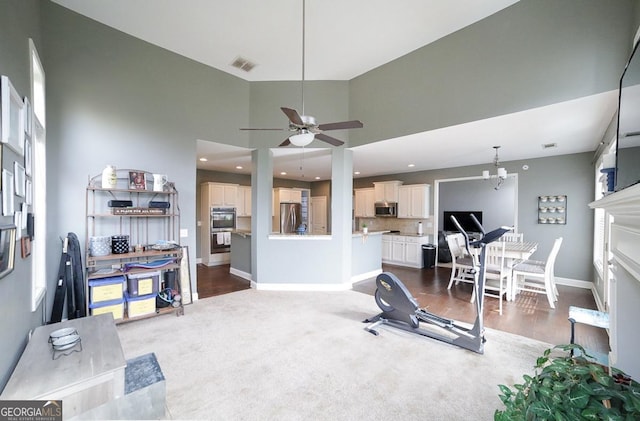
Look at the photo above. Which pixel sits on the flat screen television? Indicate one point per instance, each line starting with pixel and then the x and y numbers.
pixel 628 145
pixel 464 219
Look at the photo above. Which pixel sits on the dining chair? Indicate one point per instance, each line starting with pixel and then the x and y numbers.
pixel 497 273
pixel 461 262
pixel 513 237
pixel 538 276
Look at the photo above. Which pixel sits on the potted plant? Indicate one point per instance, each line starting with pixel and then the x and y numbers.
pixel 569 387
pixel 364 228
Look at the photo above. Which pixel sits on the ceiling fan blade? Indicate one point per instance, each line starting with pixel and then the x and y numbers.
pixel 280 130
pixel 286 142
pixel 353 124
pixel 329 139
pixel 293 116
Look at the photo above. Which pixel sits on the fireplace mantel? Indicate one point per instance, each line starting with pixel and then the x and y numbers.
pixel 624 313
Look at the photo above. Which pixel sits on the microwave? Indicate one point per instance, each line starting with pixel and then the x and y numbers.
pixel 386 209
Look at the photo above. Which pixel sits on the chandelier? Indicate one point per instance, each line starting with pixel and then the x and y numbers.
pixel 501 173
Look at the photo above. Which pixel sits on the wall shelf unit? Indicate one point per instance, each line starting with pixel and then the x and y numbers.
pixel 552 210
pixel 147 222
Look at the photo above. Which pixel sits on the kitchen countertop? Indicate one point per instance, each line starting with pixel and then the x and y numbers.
pixel 246 233
pixel 406 234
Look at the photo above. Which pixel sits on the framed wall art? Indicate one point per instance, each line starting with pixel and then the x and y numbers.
pixel 7 249
pixel 7 193
pixel 20 179
pixel 12 133
pixel 27 117
pixel 27 157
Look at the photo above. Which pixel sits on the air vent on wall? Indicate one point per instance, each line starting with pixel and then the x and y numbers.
pixel 549 145
pixel 243 64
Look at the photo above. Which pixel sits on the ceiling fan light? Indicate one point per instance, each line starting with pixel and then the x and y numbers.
pixel 302 139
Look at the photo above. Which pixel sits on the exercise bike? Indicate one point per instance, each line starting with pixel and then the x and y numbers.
pixel 400 309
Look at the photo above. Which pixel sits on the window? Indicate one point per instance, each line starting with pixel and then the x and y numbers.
pixel 600 231
pixel 38 261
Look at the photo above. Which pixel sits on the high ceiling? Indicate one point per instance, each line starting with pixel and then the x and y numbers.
pixel 344 39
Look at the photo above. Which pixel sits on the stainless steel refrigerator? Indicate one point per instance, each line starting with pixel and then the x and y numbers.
pixel 290 217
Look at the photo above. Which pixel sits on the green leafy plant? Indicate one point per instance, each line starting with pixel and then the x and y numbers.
pixel 571 388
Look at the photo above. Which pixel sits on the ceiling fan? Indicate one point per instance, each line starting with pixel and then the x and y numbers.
pixel 304 128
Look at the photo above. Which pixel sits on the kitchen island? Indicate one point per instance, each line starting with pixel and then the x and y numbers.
pixel 366 253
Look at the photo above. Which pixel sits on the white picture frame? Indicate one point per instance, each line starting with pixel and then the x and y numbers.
pixel 17 221
pixel 7 193
pixel 20 180
pixel 12 130
pixel 29 190
pixel 25 211
pixel 28 154
pixel 28 117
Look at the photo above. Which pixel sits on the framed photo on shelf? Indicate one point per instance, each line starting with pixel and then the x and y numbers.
pixel 137 180
pixel 7 249
pixel 12 131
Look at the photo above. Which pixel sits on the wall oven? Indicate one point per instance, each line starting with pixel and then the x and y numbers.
pixel 223 221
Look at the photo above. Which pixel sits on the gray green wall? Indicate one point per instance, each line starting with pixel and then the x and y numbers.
pixel 531 54
pixel 19 21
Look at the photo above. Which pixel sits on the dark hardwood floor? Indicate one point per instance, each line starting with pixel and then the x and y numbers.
pixel 529 315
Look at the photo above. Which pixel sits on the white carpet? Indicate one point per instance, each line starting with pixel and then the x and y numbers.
pixel 264 355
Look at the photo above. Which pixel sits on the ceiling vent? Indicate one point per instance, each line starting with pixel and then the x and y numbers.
pixel 549 145
pixel 243 64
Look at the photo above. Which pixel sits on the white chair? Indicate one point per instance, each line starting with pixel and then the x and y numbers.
pixel 461 263
pixel 497 273
pixel 513 237
pixel 538 276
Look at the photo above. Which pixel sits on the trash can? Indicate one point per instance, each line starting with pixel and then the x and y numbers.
pixel 428 255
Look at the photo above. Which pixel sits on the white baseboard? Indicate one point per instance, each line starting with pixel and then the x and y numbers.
pixel 194 297
pixel 300 287
pixel 240 273
pixel 576 283
pixel 198 260
pixel 367 275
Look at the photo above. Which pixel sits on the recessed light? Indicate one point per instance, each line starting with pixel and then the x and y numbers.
pixel 357 173
pixel 317 178
pixel 283 173
pixel 238 167
pixel 203 159
pixel 411 165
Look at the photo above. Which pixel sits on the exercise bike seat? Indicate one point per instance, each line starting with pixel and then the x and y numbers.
pixel 395 300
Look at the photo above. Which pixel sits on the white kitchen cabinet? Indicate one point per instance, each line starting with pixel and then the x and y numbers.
pixel 365 203
pixel 243 201
pixel 403 250
pixel 282 195
pixel 386 191
pixel 221 195
pixel 413 201
pixel 397 248
pixel 386 248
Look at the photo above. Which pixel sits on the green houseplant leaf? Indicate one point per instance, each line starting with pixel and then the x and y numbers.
pixel 570 388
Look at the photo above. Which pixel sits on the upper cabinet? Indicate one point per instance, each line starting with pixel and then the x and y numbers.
pixel 413 201
pixel 365 203
pixel 243 201
pixel 285 195
pixel 222 195
pixel 387 191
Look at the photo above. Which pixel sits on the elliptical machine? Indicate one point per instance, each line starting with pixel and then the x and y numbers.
pixel 400 309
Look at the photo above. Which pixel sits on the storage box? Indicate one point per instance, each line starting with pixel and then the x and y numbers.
pixel 106 289
pixel 115 306
pixel 146 283
pixel 140 306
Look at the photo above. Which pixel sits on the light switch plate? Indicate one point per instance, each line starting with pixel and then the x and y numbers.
pixel 184 232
